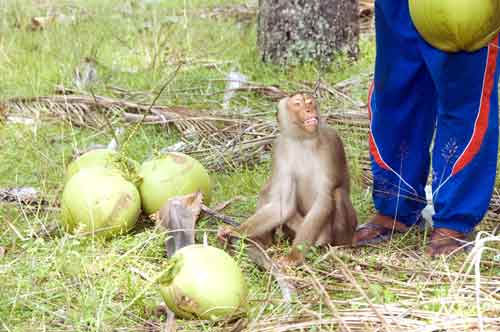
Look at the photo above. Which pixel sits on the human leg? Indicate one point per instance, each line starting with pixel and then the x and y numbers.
pixel 466 145
pixel 402 106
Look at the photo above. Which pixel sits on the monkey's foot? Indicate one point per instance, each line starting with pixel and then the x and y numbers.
pixel 294 259
pixel 379 229
pixel 287 263
pixel 228 237
pixel 445 241
pixel 224 233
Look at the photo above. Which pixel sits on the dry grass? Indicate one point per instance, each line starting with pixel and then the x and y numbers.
pixel 182 98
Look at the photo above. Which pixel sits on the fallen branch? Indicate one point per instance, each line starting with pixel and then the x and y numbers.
pixel 221 217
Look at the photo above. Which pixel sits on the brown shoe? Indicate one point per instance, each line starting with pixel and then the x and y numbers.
pixel 445 241
pixel 380 228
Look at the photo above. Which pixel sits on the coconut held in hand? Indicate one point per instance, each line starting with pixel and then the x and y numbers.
pixel 456 25
pixel 105 158
pixel 172 174
pixel 204 282
pixel 98 201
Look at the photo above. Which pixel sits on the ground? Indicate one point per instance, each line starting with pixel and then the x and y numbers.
pixel 64 283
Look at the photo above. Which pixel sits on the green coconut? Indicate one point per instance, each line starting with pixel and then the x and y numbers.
pixel 204 282
pixel 106 158
pixel 172 174
pixel 99 202
pixel 456 25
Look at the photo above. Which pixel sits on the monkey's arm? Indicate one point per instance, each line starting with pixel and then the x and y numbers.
pixel 311 228
pixel 267 218
pixel 280 207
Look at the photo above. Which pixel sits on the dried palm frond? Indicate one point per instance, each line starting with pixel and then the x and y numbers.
pixel 217 139
pixel 400 319
pixel 269 91
pixel 92 112
pixel 76 109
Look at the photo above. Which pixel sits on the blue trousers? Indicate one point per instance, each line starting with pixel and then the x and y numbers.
pixel 431 111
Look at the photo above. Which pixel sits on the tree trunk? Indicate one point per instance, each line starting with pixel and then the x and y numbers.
pixel 291 31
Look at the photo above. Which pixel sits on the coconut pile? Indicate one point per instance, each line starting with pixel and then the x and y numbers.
pixel 104 195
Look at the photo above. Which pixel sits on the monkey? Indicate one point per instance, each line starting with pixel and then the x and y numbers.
pixel 308 192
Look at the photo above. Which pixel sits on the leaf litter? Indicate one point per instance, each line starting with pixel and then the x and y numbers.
pixel 224 139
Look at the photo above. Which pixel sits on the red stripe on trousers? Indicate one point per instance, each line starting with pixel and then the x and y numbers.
pixel 481 124
pixel 373 148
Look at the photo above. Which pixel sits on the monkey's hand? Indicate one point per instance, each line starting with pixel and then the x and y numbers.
pixel 226 233
pixel 294 259
pixel 229 238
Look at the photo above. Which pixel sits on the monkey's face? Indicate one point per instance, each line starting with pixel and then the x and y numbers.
pixel 303 112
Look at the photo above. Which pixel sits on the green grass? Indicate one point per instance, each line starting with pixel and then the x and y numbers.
pixel 68 284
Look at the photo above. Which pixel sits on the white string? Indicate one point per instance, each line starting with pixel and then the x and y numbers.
pixel 496 46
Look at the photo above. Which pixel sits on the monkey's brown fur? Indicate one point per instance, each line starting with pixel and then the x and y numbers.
pixel 308 192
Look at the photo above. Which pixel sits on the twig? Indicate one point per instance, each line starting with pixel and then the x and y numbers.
pixel 150 283
pixel 328 301
pixel 335 92
pixel 142 274
pixel 262 259
pixel 16 231
pixel 475 260
pixel 223 205
pixel 106 120
pixel 216 215
pixel 171 78
pixel 345 271
pixel 5 326
pixel 46 231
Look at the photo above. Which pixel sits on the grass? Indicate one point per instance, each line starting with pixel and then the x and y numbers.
pixel 70 284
